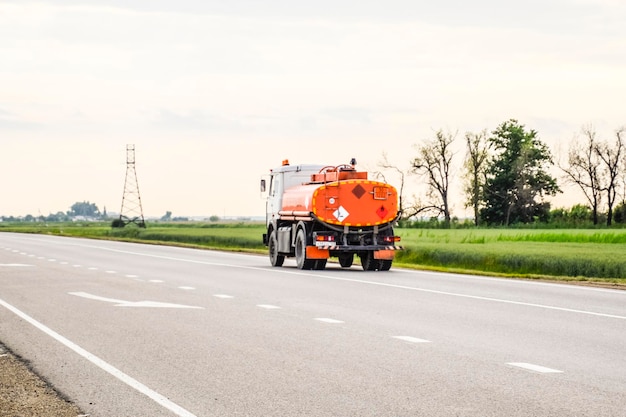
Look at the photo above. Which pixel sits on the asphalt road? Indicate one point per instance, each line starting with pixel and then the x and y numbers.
pixel 140 330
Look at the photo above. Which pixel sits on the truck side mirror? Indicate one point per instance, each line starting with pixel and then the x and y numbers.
pixel 262 186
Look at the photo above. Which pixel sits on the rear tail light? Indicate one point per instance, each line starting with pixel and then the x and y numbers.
pixel 324 240
pixel 391 239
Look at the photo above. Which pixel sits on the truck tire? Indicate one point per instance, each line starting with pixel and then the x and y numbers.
pixel 368 262
pixel 275 259
pixel 301 261
pixel 346 260
pixel 385 265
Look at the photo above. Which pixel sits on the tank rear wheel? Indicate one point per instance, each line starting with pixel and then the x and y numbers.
pixel 368 262
pixel 346 260
pixel 301 260
pixel 385 265
pixel 275 259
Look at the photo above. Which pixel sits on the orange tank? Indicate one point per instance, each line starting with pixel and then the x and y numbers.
pixel 350 202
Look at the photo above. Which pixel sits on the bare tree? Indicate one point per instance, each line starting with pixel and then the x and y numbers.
pixel 474 170
pixel 434 162
pixel 612 155
pixel 583 169
pixel 385 164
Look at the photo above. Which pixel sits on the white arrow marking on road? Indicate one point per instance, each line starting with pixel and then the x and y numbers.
pixel 122 303
pixel 536 368
pixel 268 306
pixel 411 339
pixel 329 321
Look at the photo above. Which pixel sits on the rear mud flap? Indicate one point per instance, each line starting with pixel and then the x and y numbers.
pixel 384 254
pixel 313 252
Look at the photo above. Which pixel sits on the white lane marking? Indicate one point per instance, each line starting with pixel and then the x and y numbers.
pixel 223 296
pixel 63 263
pixel 447 293
pixel 186 288
pixel 268 306
pixel 411 339
pixel 110 272
pixel 156 281
pixel 52 260
pixel 380 284
pixel 128 380
pixel 131 276
pixel 15 265
pixel 535 368
pixel 512 282
pixel 329 321
pixel 76 266
pixel 123 303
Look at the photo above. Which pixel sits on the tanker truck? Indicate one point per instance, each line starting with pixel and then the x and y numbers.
pixel 315 212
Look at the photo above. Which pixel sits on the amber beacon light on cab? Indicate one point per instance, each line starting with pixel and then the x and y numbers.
pixel 315 212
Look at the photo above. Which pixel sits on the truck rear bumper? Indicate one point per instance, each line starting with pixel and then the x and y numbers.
pixel 324 252
pixel 360 248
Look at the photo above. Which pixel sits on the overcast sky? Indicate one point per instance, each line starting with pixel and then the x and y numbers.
pixel 215 93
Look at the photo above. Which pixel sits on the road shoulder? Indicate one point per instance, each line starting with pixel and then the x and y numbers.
pixel 24 393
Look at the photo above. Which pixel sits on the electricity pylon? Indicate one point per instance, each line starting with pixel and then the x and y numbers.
pixel 131 211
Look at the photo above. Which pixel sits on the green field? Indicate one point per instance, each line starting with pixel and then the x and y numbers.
pixel 573 254
pixel 565 254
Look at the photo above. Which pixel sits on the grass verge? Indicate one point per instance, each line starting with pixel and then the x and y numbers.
pixel 565 255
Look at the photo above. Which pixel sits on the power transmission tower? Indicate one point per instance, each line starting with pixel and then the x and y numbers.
pixel 131 211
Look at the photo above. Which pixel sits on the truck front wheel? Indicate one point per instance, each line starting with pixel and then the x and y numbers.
pixel 320 264
pixel 275 258
pixel 301 260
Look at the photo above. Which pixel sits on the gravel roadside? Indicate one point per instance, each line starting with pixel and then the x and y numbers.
pixel 23 393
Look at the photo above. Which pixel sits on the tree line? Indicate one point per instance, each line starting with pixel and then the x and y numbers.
pixel 506 177
pixel 79 210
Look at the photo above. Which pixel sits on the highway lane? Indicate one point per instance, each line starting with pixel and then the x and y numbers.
pixel 140 330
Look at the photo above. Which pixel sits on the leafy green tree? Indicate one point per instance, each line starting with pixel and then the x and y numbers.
pixel 58 217
pixel 619 214
pixel 581 214
pixel 85 209
pixel 517 177
pixel 118 223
